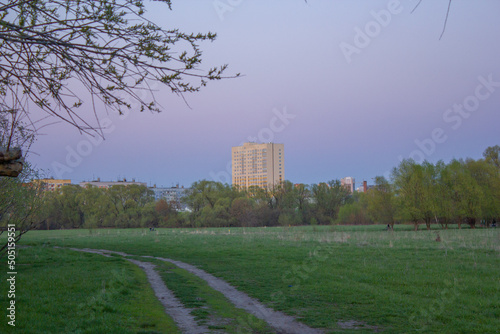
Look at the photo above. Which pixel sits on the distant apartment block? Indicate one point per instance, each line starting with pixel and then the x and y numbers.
pixel 53 184
pixel 261 165
pixel 171 195
pixel 108 184
pixel 348 183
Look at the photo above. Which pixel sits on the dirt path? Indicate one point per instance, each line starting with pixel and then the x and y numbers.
pixel 173 307
pixel 281 322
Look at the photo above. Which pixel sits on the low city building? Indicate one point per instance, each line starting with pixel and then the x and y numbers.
pixel 53 184
pixel 171 195
pixel 108 184
pixel 348 183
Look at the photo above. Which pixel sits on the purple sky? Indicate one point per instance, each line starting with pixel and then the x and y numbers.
pixel 355 106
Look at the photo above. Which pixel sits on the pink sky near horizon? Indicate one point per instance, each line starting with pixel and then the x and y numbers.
pixel 356 118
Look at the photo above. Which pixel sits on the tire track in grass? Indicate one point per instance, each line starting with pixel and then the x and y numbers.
pixel 281 322
pixel 173 307
pixel 211 308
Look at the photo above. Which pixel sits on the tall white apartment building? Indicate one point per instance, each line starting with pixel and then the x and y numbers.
pixel 261 165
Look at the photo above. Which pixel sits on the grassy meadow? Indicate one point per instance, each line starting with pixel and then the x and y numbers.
pixel 349 279
pixel 59 291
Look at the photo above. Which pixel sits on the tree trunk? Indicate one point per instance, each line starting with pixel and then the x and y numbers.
pixel 428 223
pixel 471 222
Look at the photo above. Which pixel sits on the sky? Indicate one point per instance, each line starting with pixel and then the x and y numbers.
pixel 349 87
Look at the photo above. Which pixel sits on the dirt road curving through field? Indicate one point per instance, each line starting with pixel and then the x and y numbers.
pixel 281 322
pixel 173 307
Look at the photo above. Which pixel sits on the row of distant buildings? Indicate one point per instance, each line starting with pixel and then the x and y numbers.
pixel 350 184
pixel 253 164
pixel 169 194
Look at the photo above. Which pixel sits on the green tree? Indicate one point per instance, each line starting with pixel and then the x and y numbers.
pixel 293 201
pixel 415 186
pixel 492 156
pixel 128 204
pixel 97 207
pixel 20 202
pixel 204 193
pixel 464 196
pixel 210 203
pixel 283 200
pixel 243 212
pixel 149 216
pixel 381 206
pixel 487 177
pixel 71 208
pixel 429 206
pixel 408 186
pixel 167 213
pixel 327 199
pixel 444 196
pixel 91 207
pixel 64 208
pixel 355 211
pixel 301 195
pixel 285 195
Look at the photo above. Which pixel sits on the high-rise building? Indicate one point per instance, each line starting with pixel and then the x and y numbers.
pixel 348 183
pixel 261 165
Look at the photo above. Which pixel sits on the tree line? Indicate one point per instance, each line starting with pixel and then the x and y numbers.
pixel 211 204
pixel 460 192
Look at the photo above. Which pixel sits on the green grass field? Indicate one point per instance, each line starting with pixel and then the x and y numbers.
pixel 59 291
pixel 349 279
